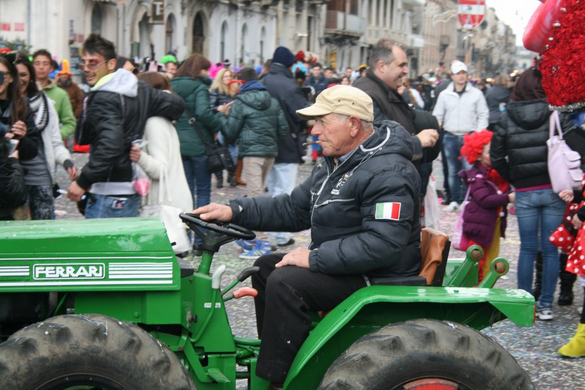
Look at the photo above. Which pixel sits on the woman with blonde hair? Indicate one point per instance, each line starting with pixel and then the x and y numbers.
pixel 223 91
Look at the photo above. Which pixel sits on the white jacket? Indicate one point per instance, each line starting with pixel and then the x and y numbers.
pixel 163 150
pixel 55 150
pixel 462 114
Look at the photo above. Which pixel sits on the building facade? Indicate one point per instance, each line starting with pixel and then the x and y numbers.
pixel 340 33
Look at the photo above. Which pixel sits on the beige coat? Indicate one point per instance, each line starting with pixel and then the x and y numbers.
pixel 163 150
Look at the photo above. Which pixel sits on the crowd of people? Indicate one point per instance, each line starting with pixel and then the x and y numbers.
pixel 375 135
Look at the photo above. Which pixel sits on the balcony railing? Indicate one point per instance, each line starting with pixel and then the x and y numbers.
pixel 338 22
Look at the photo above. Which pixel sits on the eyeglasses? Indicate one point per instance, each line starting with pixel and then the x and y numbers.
pixel 91 65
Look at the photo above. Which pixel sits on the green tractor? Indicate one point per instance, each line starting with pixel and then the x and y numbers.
pixel 105 304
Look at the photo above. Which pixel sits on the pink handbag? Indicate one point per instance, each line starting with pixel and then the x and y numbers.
pixel 459 240
pixel 564 164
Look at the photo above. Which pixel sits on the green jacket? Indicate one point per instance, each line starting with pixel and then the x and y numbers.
pixel 63 107
pixel 255 120
pixel 195 93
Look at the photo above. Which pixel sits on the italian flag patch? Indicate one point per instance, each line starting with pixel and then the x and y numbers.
pixel 389 210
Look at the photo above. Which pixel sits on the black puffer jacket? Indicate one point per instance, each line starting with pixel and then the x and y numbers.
pixel 12 189
pixel 114 115
pixel 280 84
pixel 364 215
pixel 518 149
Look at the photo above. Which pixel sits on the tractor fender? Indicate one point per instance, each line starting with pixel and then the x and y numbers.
pixel 372 307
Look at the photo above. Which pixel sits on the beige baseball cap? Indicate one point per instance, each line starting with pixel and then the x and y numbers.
pixel 341 99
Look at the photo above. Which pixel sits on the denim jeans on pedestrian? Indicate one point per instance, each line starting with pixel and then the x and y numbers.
pixel 199 180
pixel 452 146
pixel 105 206
pixel 539 213
pixel 282 179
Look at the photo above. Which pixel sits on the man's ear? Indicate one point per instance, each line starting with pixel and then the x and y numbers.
pixel 354 126
pixel 380 67
pixel 112 64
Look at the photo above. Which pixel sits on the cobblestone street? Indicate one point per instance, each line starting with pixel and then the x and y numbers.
pixel 534 348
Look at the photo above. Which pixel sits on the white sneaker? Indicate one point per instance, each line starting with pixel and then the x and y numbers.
pixel 545 314
pixel 453 206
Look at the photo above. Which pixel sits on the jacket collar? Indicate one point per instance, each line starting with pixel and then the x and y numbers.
pixel 277 68
pixel 392 94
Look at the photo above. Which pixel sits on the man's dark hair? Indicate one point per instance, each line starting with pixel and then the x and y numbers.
pixel 42 52
pixel 330 68
pixel 247 74
pixel 96 44
pixel 300 75
pixel 317 64
pixel 382 51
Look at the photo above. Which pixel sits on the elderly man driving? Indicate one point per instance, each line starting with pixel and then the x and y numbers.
pixel 361 203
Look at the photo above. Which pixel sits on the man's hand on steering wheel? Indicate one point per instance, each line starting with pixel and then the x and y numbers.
pixel 214 211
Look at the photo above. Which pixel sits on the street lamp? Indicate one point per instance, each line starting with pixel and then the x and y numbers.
pixel 444 42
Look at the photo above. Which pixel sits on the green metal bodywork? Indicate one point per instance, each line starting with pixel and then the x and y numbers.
pixel 136 278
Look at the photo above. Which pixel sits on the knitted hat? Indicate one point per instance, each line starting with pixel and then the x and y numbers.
pixel 283 56
pixel 300 55
pixel 64 68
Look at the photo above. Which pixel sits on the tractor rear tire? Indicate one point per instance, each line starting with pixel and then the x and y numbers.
pixel 416 354
pixel 89 352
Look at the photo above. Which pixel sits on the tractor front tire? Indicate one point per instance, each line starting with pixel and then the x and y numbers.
pixel 89 352
pixel 420 354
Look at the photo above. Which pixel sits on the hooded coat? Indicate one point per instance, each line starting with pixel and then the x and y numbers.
pixel 281 85
pixel 256 121
pixel 115 114
pixel 363 215
pixel 481 213
pixel 195 93
pixel 518 149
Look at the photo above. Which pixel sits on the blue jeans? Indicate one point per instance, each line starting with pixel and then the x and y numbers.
pixel 199 180
pixel 544 210
pixel 281 179
pixel 452 146
pixel 104 206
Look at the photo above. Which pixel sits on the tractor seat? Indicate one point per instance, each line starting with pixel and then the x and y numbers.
pixel 434 249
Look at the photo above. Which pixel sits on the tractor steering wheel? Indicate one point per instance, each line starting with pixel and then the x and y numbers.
pixel 226 228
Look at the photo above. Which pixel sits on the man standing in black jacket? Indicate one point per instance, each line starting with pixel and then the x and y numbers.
pixel 362 205
pixel 281 85
pixel 114 115
pixel 388 67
